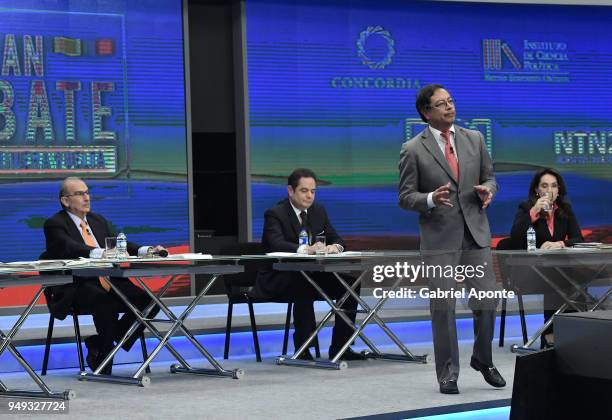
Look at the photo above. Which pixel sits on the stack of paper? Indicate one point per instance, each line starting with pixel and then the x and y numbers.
pixel 171 257
pixel 588 245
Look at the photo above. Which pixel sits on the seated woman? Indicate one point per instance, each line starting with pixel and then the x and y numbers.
pixel 549 212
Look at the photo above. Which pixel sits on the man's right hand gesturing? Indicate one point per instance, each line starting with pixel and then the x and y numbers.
pixel 441 196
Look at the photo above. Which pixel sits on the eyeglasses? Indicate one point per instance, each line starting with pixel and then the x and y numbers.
pixel 441 104
pixel 78 194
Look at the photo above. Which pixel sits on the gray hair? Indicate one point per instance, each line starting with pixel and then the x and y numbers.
pixel 63 192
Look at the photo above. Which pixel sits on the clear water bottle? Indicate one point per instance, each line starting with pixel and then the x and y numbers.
pixel 531 239
pixel 122 251
pixel 303 238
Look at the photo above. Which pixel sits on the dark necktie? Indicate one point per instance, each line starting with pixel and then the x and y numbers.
pixel 450 155
pixel 304 217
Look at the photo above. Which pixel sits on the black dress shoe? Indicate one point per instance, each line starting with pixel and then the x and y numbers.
pixel 305 355
pixel 490 373
pixel 93 352
pixel 449 387
pixel 349 354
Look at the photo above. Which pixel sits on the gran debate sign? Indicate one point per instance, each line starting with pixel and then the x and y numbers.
pixel 63 102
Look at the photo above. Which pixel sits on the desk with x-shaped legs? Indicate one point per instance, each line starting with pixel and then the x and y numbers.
pixel 11 278
pixel 561 261
pixel 177 323
pixel 337 265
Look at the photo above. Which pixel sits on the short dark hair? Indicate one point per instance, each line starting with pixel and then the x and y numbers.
pixel 562 201
pixel 424 98
pixel 299 173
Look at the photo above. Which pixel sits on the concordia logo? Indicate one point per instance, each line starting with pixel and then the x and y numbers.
pixel 375 32
pixel 375 49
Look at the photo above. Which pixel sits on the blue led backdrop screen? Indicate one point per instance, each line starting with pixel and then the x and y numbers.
pixel 94 89
pixel 332 87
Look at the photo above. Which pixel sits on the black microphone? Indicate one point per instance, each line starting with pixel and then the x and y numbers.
pixel 452 150
pixel 160 253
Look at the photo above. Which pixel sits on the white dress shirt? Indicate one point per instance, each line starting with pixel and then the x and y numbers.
pixel 98 251
pixel 303 249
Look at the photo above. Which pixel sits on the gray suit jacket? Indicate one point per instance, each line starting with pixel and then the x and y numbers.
pixel 423 168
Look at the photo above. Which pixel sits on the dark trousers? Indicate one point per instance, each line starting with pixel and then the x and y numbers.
pixel 304 294
pixel 443 321
pixel 105 308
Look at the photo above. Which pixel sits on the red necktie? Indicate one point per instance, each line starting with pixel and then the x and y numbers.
pixel 451 158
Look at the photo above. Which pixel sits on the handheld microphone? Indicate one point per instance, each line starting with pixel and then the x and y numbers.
pixel 160 253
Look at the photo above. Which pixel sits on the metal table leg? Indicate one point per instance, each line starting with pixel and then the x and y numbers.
pixel 526 348
pixel 177 324
pixel 335 309
pixel 375 354
pixel 578 287
pixel 601 300
pixel 358 330
pixel 7 343
pixel 580 290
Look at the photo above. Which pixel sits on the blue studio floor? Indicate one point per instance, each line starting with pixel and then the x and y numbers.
pixel 63 355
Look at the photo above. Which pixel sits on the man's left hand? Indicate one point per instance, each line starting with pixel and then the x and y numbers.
pixel 553 245
pixel 332 249
pixel 485 195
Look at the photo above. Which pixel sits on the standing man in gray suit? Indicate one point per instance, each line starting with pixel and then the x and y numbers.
pixel 446 175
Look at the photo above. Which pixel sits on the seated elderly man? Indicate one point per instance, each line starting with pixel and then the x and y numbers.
pixel 76 232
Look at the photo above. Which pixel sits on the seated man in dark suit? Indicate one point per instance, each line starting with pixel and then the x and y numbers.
pixel 282 226
pixel 77 232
